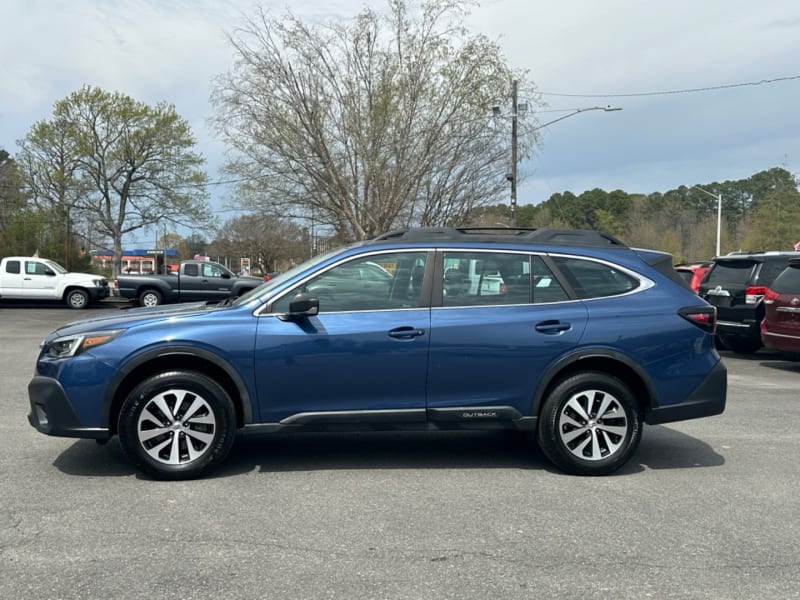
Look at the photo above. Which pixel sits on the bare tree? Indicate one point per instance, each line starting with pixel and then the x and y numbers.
pixel 368 125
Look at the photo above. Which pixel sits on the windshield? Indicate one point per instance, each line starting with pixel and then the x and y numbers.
pixel 279 279
pixel 55 266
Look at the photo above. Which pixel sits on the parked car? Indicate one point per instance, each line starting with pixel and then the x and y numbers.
pixel 188 281
pixel 590 340
pixel 780 328
pixel 693 273
pixel 35 278
pixel 736 285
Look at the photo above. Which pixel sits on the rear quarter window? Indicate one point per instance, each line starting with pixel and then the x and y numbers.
pixel 591 279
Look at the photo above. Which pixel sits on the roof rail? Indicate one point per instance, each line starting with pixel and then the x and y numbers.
pixel 562 237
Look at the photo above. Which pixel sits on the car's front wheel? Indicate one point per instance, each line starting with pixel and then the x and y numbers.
pixel 590 424
pixel 77 299
pixel 177 425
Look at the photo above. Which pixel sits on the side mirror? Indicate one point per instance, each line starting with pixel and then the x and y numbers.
pixel 301 306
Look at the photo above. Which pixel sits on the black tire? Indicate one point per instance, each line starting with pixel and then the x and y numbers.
pixel 77 299
pixel 741 345
pixel 177 425
pixel 590 424
pixel 150 298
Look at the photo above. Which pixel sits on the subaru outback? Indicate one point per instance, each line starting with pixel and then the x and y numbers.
pixel 589 340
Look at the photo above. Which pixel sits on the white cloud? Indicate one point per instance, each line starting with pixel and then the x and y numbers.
pixel 160 50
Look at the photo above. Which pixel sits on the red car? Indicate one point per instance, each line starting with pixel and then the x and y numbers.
pixel 780 328
pixel 693 274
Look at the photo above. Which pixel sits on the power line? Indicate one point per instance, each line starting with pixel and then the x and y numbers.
pixel 669 92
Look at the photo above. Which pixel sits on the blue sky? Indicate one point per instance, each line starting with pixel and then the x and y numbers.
pixel 579 53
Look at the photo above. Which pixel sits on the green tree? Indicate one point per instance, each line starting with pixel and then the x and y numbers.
pixel 775 222
pixel 118 163
pixel 365 126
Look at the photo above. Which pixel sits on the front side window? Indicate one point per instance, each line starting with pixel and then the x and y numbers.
pixel 210 270
pixel 377 282
pixel 590 279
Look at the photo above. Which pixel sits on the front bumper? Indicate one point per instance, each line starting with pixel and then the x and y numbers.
pixel 53 414
pixel 707 399
pixel 99 293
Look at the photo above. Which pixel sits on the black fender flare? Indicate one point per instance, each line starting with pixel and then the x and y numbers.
pixel 586 354
pixel 172 351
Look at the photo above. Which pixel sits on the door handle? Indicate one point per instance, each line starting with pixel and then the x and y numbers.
pixel 553 327
pixel 406 333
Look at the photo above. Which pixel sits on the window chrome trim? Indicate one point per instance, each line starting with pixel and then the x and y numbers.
pixel 645 282
pixel 261 311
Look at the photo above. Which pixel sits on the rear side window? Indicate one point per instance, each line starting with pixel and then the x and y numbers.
pixel 12 266
pixel 592 279
pixel 788 282
pixel 770 270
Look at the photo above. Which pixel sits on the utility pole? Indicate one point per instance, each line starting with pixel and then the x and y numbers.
pixel 512 176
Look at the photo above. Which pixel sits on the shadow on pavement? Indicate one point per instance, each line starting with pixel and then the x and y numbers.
pixel 661 448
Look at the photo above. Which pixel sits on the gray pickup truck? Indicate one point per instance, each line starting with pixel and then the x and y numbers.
pixel 194 281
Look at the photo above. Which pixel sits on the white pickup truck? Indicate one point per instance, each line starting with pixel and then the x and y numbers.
pixel 33 278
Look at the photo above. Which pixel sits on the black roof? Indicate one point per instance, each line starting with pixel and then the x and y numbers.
pixel 522 235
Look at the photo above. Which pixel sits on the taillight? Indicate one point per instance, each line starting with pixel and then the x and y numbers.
pixel 503 288
pixel 705 317
pixel 770 296
pixel 754 293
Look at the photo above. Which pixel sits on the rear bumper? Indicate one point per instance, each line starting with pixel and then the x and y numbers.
pixel 708 399
pixel 53 414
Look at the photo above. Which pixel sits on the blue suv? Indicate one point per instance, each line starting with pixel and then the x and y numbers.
pixel 567 334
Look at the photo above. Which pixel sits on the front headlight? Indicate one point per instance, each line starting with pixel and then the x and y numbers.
pixel 100 282
pixel 72 345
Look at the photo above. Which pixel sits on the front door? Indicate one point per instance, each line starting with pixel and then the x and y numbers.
pixel 365 352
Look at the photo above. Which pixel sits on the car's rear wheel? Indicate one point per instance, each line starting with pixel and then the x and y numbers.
pixel 177 425
pixel 150 298
pixel 590 424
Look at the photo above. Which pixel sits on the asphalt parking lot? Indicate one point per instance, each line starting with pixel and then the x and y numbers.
pixel 706 508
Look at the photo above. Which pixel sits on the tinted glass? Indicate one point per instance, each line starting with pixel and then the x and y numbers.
pixel 770 269
pixel 727 272
pixel 788 282
pixel 591 279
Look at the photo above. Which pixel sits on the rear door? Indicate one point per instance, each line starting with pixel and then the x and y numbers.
pixel 491 349
pixel 11 279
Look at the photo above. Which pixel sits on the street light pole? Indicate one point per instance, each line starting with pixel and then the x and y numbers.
pixel 718 198
pixel 512 175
